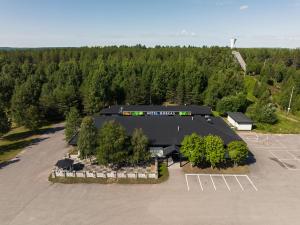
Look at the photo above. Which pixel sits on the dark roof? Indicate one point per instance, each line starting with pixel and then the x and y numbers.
pixel 163 130
pixel 64 163
pixel 172 148
pixel 194 109
pixel 239 117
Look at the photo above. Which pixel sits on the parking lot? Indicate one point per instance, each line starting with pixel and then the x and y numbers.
pixel 269 194
pixel 281 149
pixel 217 182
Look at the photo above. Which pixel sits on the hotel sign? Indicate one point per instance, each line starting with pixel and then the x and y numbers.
pixel 156 113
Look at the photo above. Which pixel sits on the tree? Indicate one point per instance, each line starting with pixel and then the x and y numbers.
pixel 139 144
pixel 193 148
pixel 265 113
pixel 72 123
pixel 215 152
pixel 4 123
pixel 112 144
pixel 238 152
pixel 232 104
pixel 25 104
pixel 33 119
pixel 96 89
pixel 87 138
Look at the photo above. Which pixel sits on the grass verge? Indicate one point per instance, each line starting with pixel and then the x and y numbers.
pixel 12 143
pixel 285 125
pixel 163 175
pixel 187 168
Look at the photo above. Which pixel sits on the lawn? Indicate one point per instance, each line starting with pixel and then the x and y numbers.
pixel 12 143
pixel 285 125
pixel 187 168
pixel 250 84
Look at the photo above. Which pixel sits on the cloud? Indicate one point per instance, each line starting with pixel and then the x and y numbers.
pixel 184 32
pixel 244 7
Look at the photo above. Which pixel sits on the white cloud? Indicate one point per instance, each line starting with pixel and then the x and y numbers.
pixel 244 7
pixel 184 32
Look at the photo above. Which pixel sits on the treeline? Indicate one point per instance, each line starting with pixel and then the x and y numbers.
pixel 43 84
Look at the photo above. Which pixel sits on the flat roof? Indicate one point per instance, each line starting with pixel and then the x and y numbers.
pixel 170 130
pixel 239 117
pixel 194 109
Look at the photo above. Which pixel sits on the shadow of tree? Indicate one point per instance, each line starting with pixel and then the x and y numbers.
pixel 29 133
pixel 6 163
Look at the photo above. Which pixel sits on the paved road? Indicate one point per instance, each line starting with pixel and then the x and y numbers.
pixel 26 197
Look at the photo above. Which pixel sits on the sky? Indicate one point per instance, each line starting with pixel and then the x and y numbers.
pixel 74 23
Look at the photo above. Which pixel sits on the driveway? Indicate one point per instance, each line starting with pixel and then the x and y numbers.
pixel 26 197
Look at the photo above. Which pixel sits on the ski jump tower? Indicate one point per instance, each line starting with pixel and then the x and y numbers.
pixel 238 55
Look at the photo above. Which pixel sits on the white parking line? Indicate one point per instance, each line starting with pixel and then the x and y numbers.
pixel 200 182
pixel 187 183
pixel 279 159
pixel 224 178
pixel 213 183
pixel 226 182
pixel 252 183
pixel 239 183
pixel 291 154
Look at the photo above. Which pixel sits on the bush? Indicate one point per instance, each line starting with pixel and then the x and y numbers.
pixel 215 152
pixel 238 152
pixel 265 114
pixel 232 104
pixel 193 148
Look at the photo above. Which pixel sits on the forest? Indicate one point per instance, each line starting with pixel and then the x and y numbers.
pixel 42 85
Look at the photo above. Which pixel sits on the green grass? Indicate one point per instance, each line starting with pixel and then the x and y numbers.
pixel 250 84
pixel 285 125
pixel 163 175
pixel 12 143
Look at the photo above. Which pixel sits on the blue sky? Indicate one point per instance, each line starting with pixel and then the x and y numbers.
pixel 255 23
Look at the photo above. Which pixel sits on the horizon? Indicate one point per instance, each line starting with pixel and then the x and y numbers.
pixel 196 23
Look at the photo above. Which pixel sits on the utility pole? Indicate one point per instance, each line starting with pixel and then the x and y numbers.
pixel 289 108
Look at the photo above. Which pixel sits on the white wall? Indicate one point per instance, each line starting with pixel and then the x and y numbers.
pixel 239 126
pixel 244 127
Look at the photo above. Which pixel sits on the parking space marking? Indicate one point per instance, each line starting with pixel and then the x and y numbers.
pixel 279 159
pixel 224 179
pixel 252 183
pixel 291 154
pixel 239 183
pixel 200 182
pixel 213 183
pixel 187 183
pixel 225 182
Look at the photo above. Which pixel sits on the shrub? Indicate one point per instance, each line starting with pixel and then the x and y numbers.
pixel 238 152
pixel 193 148
pixel 232 104
pixel 215 152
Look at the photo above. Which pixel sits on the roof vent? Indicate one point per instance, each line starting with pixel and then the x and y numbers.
pixel 121 109
pixel 178 128
pixel 192 118
pixel 209 120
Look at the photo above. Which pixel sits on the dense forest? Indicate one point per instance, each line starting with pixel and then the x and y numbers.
pixel 38 85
